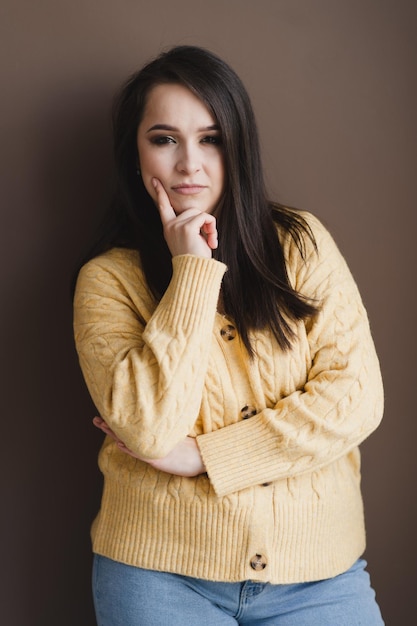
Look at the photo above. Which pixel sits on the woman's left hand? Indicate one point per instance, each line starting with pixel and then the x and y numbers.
pixel 184 460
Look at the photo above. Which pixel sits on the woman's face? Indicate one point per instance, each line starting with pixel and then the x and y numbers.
pixel 179 143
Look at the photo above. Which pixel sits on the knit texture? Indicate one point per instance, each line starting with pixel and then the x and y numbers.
pixel 283 483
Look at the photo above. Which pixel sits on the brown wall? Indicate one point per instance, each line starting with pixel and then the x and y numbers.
pixel 333 85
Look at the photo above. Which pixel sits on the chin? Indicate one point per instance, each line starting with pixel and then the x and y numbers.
pixel 181 208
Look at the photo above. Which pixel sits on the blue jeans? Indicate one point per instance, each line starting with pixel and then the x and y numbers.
pixel 131 596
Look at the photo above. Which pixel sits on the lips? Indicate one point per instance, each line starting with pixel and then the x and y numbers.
pixel 188 189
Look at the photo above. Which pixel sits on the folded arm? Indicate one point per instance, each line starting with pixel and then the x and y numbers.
pixel 146 378
pixel 340 404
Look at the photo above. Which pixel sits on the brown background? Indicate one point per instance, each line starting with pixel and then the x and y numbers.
pixel 333 85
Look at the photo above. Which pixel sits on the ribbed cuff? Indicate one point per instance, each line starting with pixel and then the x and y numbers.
pixel 192 295
pixel 240 455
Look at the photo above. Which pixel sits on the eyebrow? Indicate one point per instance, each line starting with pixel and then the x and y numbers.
pixel 175 129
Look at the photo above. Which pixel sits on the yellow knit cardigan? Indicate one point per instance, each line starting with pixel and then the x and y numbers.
pixel 278 434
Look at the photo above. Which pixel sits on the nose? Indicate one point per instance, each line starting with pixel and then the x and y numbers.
pixel 188 159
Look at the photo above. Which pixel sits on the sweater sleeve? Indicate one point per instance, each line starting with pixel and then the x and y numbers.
pixel 340 404
pixel 146 379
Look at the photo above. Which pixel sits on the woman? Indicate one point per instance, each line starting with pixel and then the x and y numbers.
pixel 226 348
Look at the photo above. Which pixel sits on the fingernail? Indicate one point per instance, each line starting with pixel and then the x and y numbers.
pixel 154 182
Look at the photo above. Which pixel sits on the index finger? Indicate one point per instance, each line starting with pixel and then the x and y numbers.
pixel 166 211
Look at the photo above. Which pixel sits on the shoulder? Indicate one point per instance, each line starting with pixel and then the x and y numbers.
pixel 313 253
pixel 117 270
pixel 312 232
pixel 320 232
pixel 113 264
pixel 112 286
pixel 122 259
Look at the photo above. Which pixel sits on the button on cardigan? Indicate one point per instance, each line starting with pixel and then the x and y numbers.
pixel 158 372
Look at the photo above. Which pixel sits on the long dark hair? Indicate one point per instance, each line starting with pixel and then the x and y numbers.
pixel 256 290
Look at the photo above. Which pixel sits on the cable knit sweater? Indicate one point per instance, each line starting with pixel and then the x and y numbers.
pixel 278 434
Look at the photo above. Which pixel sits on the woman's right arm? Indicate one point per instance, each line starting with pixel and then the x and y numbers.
pixel 146 380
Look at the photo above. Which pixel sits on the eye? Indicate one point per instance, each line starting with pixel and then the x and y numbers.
pixel 212 139
pixel 161 140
